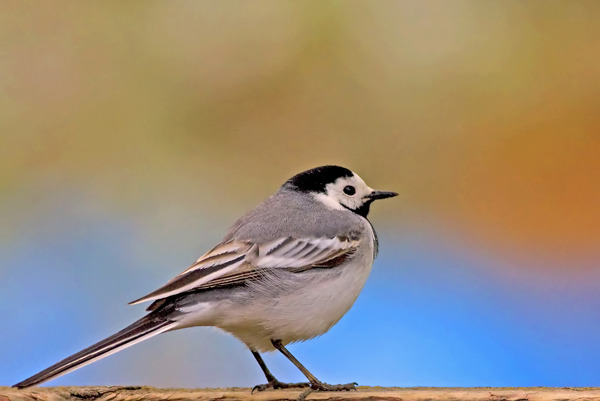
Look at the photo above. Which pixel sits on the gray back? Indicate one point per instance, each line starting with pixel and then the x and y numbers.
pixel 290 213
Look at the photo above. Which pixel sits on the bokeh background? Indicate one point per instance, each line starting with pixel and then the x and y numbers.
pixel 134 133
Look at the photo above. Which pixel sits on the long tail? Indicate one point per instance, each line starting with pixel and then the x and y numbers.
pixel 146 327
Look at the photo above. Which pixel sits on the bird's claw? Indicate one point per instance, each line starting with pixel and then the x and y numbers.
pixel 276 384
pixel 318 386
pixel 310 387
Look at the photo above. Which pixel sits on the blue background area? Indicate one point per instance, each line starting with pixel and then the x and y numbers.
pixel 433 313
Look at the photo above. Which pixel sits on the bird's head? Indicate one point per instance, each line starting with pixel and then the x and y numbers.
pixel 337 188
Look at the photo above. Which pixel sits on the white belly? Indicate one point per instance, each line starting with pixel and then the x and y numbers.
pixel 295 306
pixel 283 305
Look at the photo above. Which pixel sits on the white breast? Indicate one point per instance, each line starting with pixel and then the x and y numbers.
pixel 295 306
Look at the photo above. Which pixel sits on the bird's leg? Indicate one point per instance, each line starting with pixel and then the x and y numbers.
pixel 315 384
pixel 272 382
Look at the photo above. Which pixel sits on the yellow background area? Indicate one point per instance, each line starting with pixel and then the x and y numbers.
pixel 483 115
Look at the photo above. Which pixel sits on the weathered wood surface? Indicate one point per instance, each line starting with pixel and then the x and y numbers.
pixel 363 393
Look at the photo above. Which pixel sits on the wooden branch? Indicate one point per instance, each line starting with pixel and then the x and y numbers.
pixel 244 394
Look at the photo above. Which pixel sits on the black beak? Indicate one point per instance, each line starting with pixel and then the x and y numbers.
pixel 381 195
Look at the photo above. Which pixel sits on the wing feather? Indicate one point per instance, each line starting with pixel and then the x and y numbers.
pixel 216 262
pixel 236 262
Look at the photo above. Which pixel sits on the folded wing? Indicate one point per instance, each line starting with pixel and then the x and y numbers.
pixel 236 262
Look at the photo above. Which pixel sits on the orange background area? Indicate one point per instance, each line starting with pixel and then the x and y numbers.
pixel 484 115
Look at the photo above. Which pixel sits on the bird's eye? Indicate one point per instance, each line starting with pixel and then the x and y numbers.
pixel 349 190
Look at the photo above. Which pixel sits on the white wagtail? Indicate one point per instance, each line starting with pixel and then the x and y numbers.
pixel 287 271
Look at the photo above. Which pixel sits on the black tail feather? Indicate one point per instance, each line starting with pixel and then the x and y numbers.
pixel 144 328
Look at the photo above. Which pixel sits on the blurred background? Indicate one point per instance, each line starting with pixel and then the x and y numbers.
pixel 132 134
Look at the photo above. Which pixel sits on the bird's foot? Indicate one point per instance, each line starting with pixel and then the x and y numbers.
pixel 276 384
pixel 319 386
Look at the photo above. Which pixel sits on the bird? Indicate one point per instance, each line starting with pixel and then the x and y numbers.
pixel 286 271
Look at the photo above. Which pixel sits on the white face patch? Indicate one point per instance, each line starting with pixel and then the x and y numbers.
pixel 345 192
